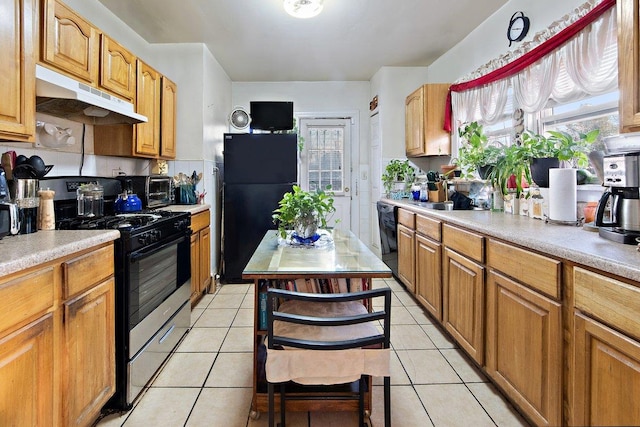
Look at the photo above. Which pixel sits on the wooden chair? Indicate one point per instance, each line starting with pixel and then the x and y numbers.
pixel 327 339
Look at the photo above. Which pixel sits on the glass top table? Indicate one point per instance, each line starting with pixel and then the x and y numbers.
pixel 337 254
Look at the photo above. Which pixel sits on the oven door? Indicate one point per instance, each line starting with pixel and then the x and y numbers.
pixel 154 273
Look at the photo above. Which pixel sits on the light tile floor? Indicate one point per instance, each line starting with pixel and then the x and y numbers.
pixel 208 380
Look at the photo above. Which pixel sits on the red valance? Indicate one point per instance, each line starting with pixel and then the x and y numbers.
pixel 528 58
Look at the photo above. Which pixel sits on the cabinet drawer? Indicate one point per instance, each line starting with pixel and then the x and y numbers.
pixel 464 242
pixel 537 271
pixel 407 218
pixel 26 296
pixel 200 221
pixel 429 227
pixel 85 271
pixel 612 301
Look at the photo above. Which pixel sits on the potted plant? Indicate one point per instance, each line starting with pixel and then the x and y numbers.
pixel 398 171
pixel 547 152
pixel 511 169
pixel 303 212
pixel 476 154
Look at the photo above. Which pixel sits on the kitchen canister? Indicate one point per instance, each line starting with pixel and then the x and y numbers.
pixel 562 195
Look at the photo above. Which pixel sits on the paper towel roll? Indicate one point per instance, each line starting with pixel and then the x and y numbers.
pixel 562 194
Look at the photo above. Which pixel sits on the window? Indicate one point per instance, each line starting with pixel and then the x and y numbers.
pixel 595 112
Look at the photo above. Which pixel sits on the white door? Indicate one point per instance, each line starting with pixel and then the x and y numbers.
pixel 325 160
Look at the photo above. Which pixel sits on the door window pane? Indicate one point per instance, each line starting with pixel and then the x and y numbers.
pixel 325 147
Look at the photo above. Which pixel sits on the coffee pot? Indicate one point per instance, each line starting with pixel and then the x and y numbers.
pixel 618 211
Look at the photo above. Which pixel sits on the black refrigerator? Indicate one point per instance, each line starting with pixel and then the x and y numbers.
pixel 258 170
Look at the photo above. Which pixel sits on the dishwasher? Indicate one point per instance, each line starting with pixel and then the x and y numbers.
pixel 387 221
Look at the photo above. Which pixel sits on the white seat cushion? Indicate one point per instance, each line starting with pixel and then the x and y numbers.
pixel 325 366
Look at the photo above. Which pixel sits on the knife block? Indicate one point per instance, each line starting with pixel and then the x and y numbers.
pixel 437 195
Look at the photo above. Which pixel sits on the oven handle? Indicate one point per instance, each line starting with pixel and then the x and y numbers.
pixel 135 256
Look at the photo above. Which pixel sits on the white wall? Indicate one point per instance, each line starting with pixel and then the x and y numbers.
pixel 324 97
pixel 489 40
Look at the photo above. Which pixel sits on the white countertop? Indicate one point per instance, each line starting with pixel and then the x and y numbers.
pixel 192 209
pixel 27 250
pixel 563 241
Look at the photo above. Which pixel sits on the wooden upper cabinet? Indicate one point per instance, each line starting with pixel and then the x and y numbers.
pixel 69 43
pixel 629 64
pixel 414 123
pixel 424 119
pixel 147 140
pixel 17 91
pixel 117 69
pixel 168 119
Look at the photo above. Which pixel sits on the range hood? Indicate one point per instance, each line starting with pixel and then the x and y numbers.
pixel 61 96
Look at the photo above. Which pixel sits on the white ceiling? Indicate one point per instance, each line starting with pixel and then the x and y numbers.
pixel 255 40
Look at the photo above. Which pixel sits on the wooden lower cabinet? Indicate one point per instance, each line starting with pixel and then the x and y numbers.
pixel 57 341
pixel 428 282
pixel 406 257
pixel 463 302
pixel 200 255
pixel 606 350
pixel 27 384
pixel 524 347
pixel 88 356
pixel 607 375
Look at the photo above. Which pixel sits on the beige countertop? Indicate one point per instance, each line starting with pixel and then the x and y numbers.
pixel 192 209
pixel 568 242
pixel 27 250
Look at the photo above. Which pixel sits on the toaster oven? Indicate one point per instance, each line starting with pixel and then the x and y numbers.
pixel 155 191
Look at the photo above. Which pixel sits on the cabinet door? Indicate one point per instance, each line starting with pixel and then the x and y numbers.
pixel 463 302
pixel 406 257
pixel 437 140
pixel 69 43
pixel 429 275
pixel 27 375
pixel 17 91
pixel 147 141
pixel 168 119
pixel 205 259
pixel 607 375
pixel 629 64
pixel 118 69
pixel 195 267
pixel 524 347
pixel 414 123
pixel 89 353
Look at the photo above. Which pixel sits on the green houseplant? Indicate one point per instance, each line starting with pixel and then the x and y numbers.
pixel 303 211
pixel 397 171
pixel 510 169
pixel 547 152
pixel 476 153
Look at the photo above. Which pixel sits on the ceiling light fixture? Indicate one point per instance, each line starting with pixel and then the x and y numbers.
pixel 303 8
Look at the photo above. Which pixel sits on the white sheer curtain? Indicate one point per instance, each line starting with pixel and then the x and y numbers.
pixel 586 65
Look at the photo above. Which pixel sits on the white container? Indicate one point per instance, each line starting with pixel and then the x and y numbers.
pixel 562 195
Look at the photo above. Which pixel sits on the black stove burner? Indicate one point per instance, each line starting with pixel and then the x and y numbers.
pixel 124 222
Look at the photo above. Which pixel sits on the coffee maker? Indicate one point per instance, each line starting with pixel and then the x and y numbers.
pixel 621 199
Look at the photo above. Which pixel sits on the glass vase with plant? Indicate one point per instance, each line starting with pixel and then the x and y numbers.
pixel 303 211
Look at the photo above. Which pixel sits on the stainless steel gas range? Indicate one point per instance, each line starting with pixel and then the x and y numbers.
pixel 153 280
